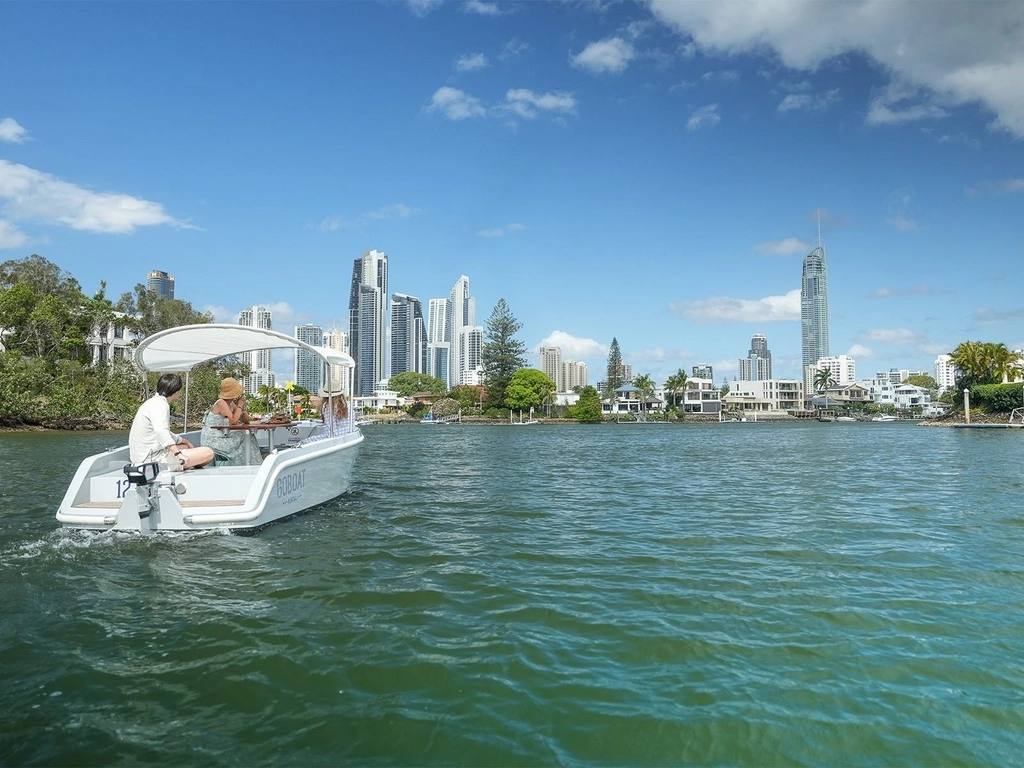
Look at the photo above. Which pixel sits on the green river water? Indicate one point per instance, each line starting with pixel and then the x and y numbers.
pixel 734 594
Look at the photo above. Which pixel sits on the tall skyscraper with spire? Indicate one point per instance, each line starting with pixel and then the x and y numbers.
pixel 367 310
pixel 814 310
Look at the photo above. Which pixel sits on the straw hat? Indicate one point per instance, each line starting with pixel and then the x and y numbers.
pixel 230 389
pixel 325 392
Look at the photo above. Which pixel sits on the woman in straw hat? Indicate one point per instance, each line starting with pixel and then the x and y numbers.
pixel 334 411
pixel 230 410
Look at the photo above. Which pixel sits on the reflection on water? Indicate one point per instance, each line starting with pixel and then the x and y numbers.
pixel 741 594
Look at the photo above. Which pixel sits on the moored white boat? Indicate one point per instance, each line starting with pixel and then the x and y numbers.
pixel 305 465
pixel 884 417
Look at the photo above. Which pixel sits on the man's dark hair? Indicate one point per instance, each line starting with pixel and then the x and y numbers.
pixel 168 384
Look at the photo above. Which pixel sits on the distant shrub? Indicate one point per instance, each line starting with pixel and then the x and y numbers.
pixel 997 398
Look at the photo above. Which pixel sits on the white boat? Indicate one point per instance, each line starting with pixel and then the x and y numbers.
pixel 522 423
pixel 845 418
pixel 885 417
pixel 305 466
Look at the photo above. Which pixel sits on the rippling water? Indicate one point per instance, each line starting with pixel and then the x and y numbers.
pixel 741 594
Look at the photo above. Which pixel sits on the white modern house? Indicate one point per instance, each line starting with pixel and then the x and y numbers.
pixel 907 396
pixel 700 396
pixel 380 399
pixel 771 397
pixel 111 341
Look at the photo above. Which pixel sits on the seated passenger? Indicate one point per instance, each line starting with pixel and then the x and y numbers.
pixel 334 412
pixel 230 446
pixel 151 438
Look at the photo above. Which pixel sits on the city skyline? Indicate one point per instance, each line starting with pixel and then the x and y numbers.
pixel 649 171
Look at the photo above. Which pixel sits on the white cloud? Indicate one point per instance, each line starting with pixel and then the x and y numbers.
pixel 574 347
pixel 898 103
pixel 725 75
pixel 610 55
pixel 901 337
pixel 705 116
pixel 526 103
pixel 513 48
pixel 889 336
pixel 281 312
pixel 394 211
pixel 724 309
pixel 794 101
pixel 26 193
pixel 1002 187
pixel 656 355
pixel 482 8
pixel 11 236
pixel 455 104
pixel 899 205
pixel 471 62
pixel 860 352
pixel 423 7
pixel 918 290
pixel 11 131
pixel 988 315
pixel 954 53
pixel 786 247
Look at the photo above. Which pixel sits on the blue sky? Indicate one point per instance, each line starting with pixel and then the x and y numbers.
pixel 649 171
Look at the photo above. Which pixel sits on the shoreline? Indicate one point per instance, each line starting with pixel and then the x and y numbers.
pixel 957 420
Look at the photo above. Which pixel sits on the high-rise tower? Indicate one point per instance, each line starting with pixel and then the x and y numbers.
pixel 161 284
pixel 367 309
pixel 438 340
pixel 814 311
pixel 309 369
pixel 551 365
pixel 461 314
pixel 408 335
pixel 757 366
pixel 260 371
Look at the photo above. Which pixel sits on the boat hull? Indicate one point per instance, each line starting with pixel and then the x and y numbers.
pixel 289 481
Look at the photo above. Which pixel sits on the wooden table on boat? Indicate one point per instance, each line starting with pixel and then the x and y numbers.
pixel 255 427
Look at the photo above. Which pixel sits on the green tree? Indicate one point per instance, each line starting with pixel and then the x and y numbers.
pixel 675 384
pixel 823 379
pixel 978 363
pixel 148 313
pixel 923 380
pixel 587 409
pixel 528 388
pixel 646 385
pixel 469 397
pixel 502 354
pixel 613 376
pixel 40 276
pixel 724 390
pixel 43 311
pixel 411 383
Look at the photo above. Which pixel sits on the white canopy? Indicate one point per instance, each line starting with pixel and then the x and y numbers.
pixel 182 348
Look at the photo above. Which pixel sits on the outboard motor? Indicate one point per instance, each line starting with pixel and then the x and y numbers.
pixel 142 477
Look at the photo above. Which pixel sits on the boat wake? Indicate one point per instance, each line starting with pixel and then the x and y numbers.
pixel 65 541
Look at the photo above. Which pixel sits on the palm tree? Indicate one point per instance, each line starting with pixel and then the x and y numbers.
pixel 646 386
pixel 675 384
pixel 823 380
pixel 982 362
